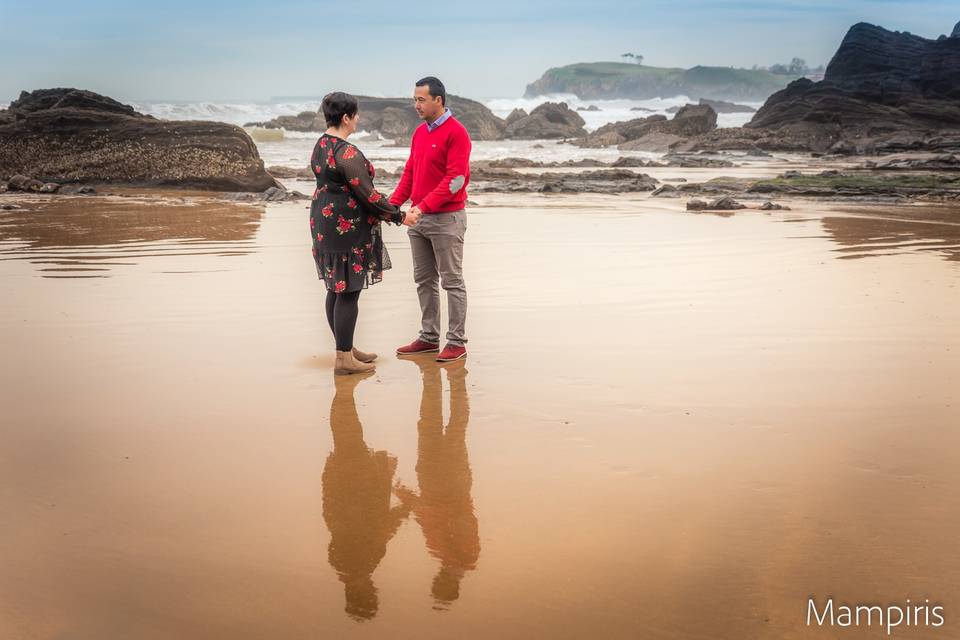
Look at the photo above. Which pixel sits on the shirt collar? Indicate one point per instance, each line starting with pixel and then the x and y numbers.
pixel 439 121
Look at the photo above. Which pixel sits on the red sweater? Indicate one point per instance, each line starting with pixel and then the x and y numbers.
pixel 437 173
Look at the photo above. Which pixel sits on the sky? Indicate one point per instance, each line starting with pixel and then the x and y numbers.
pixel 180 50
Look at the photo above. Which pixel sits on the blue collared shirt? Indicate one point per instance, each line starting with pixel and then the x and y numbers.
pixel 439 121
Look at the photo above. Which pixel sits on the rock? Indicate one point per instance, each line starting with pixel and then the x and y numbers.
pixel 599 181
pixel 878 86
pixel 633 161
pixel 653 133
pixel 70 136
pixel 788 175
pixel 725 203
pixel 695 161
pixel 829 173
pixel 3 187
pixel 664 191
pixel 515 115
pixel 692 120
pixel 549 120
pixel 642 109
pixel 8 206
pixel 273 194
pixel 290 172
pixel 20 182
pixel 49 187
pixel 75 189
pixel 721 106
pixel 512 163
pixel 771 206
pixel 927 161
pixel 592 107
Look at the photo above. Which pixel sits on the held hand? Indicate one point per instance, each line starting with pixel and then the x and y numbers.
pixel 413 215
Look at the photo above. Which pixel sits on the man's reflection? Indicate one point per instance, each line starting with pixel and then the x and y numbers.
pixel 444 507
pixel 357 483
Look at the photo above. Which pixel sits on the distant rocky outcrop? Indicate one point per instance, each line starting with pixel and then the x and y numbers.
pixel 654 133
pixel 77 136
pixel 880 84
pixel 396 119
pixel 611 80
pixel 549 120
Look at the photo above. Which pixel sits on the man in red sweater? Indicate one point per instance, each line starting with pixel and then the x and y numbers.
pixel 435 180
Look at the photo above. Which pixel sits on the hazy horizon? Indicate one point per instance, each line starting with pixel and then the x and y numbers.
pixel 244 51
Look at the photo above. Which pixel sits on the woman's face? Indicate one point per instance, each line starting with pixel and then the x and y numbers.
pixel 350 124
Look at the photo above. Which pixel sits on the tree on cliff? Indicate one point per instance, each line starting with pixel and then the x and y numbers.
pixel 636 57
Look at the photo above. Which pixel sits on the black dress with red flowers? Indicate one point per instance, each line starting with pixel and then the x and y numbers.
pixel 345 217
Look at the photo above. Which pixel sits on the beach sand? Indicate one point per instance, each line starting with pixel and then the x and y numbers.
pixel 670 425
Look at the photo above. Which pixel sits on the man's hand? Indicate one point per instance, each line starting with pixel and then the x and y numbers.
pixel 413 215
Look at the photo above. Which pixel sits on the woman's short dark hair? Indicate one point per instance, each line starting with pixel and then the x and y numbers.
pixel 336 105
pixel 435 87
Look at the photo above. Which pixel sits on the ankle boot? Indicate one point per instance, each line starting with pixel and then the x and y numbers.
pixel 363 356
pixel 347 364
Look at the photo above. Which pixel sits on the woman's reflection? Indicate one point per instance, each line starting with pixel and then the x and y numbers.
pixel 357 483
pixel 444 507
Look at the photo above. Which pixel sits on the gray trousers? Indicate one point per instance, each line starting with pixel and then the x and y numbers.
pixel 436 242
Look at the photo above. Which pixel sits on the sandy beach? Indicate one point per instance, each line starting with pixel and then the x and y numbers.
pixel 670 425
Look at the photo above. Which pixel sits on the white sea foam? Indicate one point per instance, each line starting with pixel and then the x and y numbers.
pixel 233 113
pixel 613 110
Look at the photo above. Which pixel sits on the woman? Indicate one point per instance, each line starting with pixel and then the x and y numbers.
pixel 345 227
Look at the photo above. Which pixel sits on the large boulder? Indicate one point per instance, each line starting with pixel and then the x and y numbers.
pixel 549 120
pixel 879 84
pixel 71 135
pixel 654 133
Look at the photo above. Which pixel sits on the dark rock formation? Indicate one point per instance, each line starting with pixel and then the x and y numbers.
pixel 71 136
pixel 725 203
pixel 396 119
pixel 720 106
pixel 879 84
pixel 549 120
pixel 600 181
pixel 654 133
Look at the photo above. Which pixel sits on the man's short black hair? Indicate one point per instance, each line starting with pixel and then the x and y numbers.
pixel 435 87
pixel 336 105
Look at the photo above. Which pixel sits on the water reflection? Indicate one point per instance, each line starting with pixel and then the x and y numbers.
pixel 444 507
pixel 358 483
pixel 880 231
pixel 88 236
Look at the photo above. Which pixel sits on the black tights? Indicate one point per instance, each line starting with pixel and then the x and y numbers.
pixel 342 310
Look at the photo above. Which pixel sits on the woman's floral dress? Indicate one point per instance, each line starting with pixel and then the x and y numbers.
pixel 345 217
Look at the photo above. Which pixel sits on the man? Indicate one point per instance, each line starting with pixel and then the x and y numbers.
pixel 435 180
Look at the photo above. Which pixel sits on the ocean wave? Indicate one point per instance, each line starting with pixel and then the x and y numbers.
pixel 238 113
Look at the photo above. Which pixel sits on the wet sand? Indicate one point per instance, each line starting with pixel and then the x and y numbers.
pixel 670 425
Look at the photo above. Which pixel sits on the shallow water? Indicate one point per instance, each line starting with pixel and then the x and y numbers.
pixel 670 425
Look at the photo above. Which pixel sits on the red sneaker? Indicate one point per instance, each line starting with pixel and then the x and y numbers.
pixel 452 352
pixel 418 346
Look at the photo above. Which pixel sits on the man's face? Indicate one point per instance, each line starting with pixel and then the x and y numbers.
pixel 428 107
